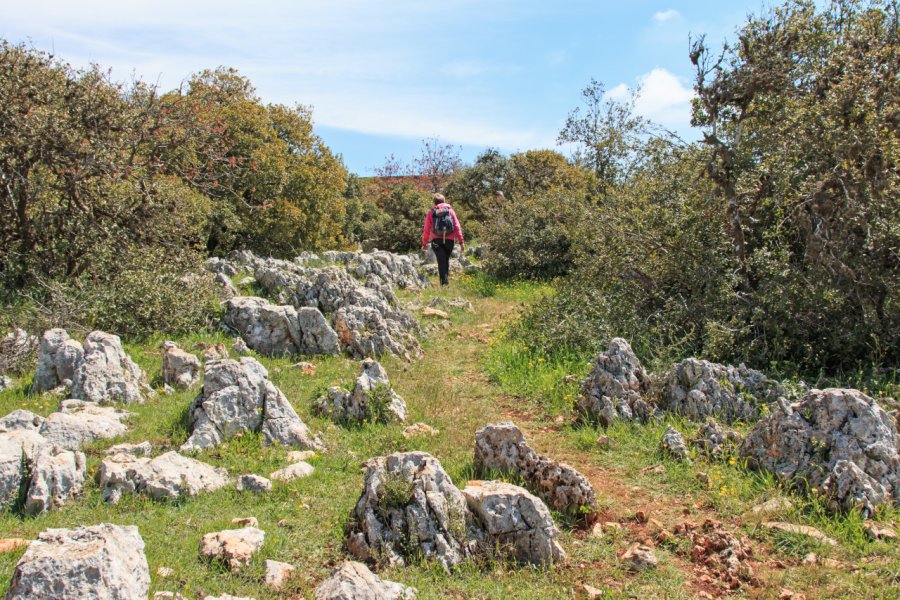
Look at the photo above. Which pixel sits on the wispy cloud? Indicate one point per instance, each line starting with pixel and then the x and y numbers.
pixel 666 15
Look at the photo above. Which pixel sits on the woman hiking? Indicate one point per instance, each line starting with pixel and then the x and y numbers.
pixel 442 230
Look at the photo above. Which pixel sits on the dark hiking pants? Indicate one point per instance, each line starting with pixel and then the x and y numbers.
pixel 442 250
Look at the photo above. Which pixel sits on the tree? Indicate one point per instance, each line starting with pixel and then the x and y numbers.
pixel 607 134
pixel 435 164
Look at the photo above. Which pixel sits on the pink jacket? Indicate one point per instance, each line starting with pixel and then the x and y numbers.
pixel 427 231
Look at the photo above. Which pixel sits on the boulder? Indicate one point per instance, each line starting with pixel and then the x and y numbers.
pixel 699 389
pixel 354 581
pixel 238 397
pixel 283 330
pixel 838 442
pixel 372 399
pixel 615 388
pixel 58 358
pixel 673 443
pixel 409 508
pixel 106 374
pixel 503 448
pixel 715 441
pixel 234 547
pixel 166 477
pixel 514 521
pixel 56 476
pixel 253 483
pixel 12 463
pixel 364 331
pixel 180 369
pixel 103 562
pixel 78 423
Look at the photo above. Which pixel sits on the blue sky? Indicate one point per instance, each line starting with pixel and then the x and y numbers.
pixel 381 76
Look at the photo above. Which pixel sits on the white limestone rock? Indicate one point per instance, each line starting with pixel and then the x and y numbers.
pixel 180 369
pixel 58 358
pixel 103 562
pixel 354 581
pixel 166 477
pixel 57 475
pixel 106 374
pixel 79 422
pixel 234 547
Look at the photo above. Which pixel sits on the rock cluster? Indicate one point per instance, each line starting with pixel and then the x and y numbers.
pixel 42 456
pixel 238 397
pixel 372 398
pixel 99 562
pixel 408 496
pixel 503 448
pixel 514 521
pixel 615 388
pixel 99 371
pixel 180 369
pixel 699 389
pixel 838 442
pixel 723 554
pixel 275 330
pixel 366 316
pixel 354 581
pixel 401 270
pixel 166 477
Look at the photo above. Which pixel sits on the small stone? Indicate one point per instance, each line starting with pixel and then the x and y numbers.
pixel 245 521
pixel 434 312
pixel 879 532
pixel 305 368
pixel 613 526
pixel 419 429
pixel 806 530
pixel 294 471
pixel 168 596
pixel 240 347
pixel 810 559
pixel 597 530
pixel 703 478
pixel 277 574
pixel 235 547
pixel 639 557
pixel 253 483
pixel 673 443
pixel 603 442
pixel 12 544
pixel 773 506
pixel 589 592
pixel 165 572
pixel 295 456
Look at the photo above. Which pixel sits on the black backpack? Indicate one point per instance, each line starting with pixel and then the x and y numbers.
pixel 441 221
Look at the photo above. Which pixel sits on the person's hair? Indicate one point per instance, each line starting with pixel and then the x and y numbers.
pixel 438 198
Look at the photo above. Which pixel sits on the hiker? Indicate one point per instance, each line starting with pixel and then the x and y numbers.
pixel 442 230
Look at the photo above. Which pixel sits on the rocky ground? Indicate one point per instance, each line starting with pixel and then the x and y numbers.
pixel 287 486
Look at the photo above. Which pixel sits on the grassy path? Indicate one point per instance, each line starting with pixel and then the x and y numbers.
pixel 447 389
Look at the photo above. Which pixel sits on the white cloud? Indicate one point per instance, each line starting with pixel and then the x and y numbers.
pixel 663 99
pixel 666 15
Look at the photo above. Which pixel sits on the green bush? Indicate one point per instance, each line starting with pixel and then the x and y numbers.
pixel 395 222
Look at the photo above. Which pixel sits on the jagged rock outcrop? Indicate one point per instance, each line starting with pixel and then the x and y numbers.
pixel 166 477
pixel 106 374
pixel 715 441
pixel 409 507
pixel 699 389
pixel 615 388
pixel 58 358
pixel 17 350
pixel 56 476
pixel 280 330
pixel 401 270
pixel 372 398
pixel 89 563
pixel 503 447
pixel 234 547
pixel 237 396
pixel 180 369
pixel 839 442
pixel 78 423
pixel 673 443
pixel 514 521
pixel 354 581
